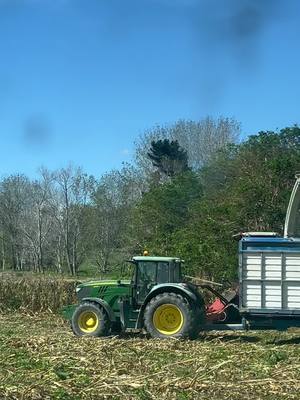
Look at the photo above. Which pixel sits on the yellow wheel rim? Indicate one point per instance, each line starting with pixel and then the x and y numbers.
pixel 168 319
pixel 88 321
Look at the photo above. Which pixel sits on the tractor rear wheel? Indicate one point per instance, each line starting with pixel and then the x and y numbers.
pixel 89 319
pixel 199 313
pixel 169 315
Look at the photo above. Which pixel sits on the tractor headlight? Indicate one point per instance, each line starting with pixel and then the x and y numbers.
pixel 78 289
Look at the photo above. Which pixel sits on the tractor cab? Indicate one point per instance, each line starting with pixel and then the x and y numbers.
pixel 152 271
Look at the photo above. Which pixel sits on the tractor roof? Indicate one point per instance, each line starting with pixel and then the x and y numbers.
pixel 148 258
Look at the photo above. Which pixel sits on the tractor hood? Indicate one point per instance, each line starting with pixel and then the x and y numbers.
pixel 104 283
pixel 109 290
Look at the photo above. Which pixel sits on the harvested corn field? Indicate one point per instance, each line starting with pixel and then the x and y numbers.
pixel 35 293
pixel 41 359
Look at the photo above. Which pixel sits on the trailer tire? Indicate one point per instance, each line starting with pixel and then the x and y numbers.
pixel 90 319
pixel 169 315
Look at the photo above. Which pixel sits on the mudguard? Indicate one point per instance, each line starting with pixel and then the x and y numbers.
pixel 104 304
pixel 180 288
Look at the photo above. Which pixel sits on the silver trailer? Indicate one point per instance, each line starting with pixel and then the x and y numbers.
pixel 269 272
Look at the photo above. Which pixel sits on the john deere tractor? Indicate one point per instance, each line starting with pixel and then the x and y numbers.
pixel 156 300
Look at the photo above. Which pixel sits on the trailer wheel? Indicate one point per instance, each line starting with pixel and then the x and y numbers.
pixel 169 315
pixel 89 319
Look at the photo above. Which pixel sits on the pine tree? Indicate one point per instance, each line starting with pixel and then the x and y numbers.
pixel 168 157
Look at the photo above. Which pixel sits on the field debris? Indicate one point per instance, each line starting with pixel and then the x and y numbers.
pixel 40 358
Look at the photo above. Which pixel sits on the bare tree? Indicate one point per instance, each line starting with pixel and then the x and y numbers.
pixel 14 195
pixel 38 221
pixel 73 191
pixel 3 250
pixel 112 201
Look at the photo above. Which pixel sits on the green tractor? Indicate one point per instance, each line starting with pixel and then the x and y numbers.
pixel 156 300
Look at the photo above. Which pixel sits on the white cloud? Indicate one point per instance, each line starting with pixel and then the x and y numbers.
pixel 125 152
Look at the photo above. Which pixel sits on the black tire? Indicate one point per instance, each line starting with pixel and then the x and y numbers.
pixel 80 320
pixel 168 328
pixel 199 313
pixel 116 328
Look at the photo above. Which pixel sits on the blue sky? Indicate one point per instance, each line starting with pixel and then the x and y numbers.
pixel 81 79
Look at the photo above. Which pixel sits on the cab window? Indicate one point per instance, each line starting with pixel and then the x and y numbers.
pixel 175 272
pixel 162 272
pixel 146 272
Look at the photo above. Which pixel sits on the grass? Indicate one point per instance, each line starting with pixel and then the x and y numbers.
pixel 41 359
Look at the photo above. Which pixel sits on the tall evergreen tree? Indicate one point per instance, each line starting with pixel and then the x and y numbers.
pixel 168 157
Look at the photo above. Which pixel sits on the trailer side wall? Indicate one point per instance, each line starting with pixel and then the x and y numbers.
pixel 269 274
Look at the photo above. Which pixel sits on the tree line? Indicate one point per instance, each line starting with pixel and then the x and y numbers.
pixel 190 188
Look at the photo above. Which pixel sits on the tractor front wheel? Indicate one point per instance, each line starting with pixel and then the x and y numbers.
pixel 169 315
pixel 89 319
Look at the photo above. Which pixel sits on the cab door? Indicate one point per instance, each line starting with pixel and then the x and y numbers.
pixel 146 278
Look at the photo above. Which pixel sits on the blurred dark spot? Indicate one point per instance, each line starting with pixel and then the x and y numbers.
pixel 37 131
pixel 229 37
pixel 246 21
pixel 247 18
pixel 235 23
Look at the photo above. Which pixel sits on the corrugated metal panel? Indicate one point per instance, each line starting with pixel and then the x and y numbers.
pixel 292 259
pixel 252 294
pixel 272 295
pixel 273 266
pixel 292 265
pixel 271 280
pixel 252 265
pixel 293 275
pixel 293 295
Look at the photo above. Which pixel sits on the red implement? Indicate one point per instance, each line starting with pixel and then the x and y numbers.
pixel 216 311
